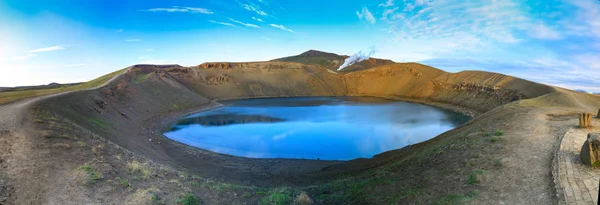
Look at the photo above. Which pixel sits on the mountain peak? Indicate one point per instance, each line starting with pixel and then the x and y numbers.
pixel 315 53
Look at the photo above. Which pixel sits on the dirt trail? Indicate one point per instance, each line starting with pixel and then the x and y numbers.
pixel 18 160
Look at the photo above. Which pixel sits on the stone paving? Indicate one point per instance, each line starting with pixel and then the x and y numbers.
pixel 576 182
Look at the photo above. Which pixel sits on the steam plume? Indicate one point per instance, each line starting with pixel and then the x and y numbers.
pixel 358 57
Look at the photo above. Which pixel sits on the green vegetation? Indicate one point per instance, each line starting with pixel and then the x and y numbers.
pixel 93 176
pixel 276 197
pixel 11 96
pixel 499 133
pixel 81 143
pixel 487 134
pixel 86 168
pixel 494 139
pixel 122 182
pixel 139 168
pixel 154 199
pixel 141 77
pixel 498 162
pixel 453 199
pixel 475 177
pixel 188 199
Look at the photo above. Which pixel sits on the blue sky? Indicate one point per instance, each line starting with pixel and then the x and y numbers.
pixel 550 41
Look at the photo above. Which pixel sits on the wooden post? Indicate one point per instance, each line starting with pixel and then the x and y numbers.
pixel 598 116
pixel 585 120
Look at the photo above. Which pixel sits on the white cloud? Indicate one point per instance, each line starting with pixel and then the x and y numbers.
pixel 23 57
pixel 281 27
pixel 257 19
pixel 388 3
pixel 541 31
pixel 586 19
pixel 46 49
pixel 133 40
pixel 255 8
pixel 589 60
pixel 245 24
pixel 366 15
pixel 150 50
pixel 223 23
pixel 182 10
pixel 120 30
pixel 387 13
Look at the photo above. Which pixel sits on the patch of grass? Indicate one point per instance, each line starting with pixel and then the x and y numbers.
pixel 141 77
pixel 188 199
pixel 487 134
pixel 247 195
pixel 596 164
pixel 276 198
pixel 139 168
pixel 453 199
pixel 475 177
pixel 494 139
pixel 499 133
pixel 155 199
pixel 81 143
pixel 123 182
pixel 93 175
pixel 498 162
pixel 86 168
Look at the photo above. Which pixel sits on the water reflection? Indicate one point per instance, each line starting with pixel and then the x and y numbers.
pixel 339 128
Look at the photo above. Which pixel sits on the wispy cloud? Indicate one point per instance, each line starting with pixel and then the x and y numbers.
pixel 281 27
pixel 542 31
pixel 74 65
pixel 245 24
pixel 366 15
pixel 257 19
pixel 387 13
pixel 133 40
pixel 587 18
pixel 589 60
pixel 388 3
pixel 46 49
pixel 223 23
pixel 23 57
pixel 120 30
pixel 181 10
pixel 254 8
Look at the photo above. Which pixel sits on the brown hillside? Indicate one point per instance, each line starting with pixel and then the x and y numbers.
pixel 130 112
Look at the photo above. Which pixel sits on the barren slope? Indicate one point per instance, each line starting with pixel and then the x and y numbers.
pixel 131 111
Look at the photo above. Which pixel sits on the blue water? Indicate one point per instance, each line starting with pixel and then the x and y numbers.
pixel 327 128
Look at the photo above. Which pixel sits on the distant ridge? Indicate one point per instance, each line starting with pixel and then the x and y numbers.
pixel 332 61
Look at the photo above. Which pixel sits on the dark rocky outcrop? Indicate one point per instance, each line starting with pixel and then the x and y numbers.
pixel 590 151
